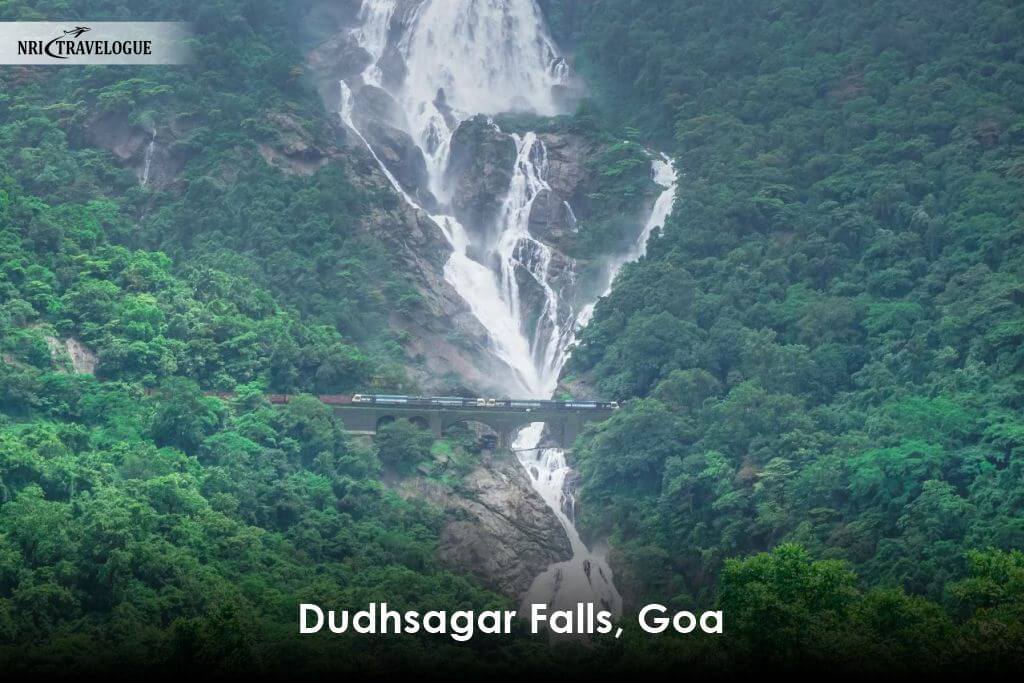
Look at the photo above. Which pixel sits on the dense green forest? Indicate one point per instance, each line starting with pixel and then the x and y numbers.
pixel 175 529
pixel 820 358
pixel 825 345
pixel 239 271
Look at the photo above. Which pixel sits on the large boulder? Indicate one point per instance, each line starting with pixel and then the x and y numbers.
pixel 480 165
pixel 339 57
pixel 533 297
pixel 399 153
pixel 373 104
pixel 392 68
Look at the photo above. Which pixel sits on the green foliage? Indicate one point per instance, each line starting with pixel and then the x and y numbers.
pixel 147 530
pixel 229 270
pixel 821 353
pixel 402 444
pixel 828 326
pixel 136 551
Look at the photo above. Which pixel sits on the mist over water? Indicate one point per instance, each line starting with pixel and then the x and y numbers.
pixel 469 57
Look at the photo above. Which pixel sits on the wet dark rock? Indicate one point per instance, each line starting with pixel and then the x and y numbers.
pixel 441 102
pixel 479 173
pixel 373 104
pixel 392 68
pixel 551 221
pixel 150 153
pixel 532 299
pixel 382 123
pixel 397 150
pixel 567 174
pixel 339 57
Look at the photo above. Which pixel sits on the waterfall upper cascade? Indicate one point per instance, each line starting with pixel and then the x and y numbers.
pixel 443 62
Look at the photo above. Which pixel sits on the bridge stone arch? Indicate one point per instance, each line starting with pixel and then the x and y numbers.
pixel 421 421
pixel 563 425
pixel 485 434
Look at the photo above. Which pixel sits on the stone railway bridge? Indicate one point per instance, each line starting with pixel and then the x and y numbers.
pixel 564 420
pixel 563 424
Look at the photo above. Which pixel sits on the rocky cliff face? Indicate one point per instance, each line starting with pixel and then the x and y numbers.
pixel 447 347
pixel 150 153
pixel 383 125
pixel 498 529
pixel 479 172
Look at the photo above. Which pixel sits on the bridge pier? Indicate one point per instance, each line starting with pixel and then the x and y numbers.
pixel 505 438
pixel 571 427
pixel 437 425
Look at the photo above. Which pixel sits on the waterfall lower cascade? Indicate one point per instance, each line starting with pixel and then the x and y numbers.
pixel 461 58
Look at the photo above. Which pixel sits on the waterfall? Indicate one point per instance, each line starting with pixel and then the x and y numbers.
pixel 149 159
pixel 469 57
pixel 586 577
pixel 664 175
pixel 518 249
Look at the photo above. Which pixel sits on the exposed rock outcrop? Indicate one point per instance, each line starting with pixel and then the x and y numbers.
pixel 392 68
pixel 479 172
pixel 499 529
pixel 82 359
pixel 382 123
pixel 446 345
pixel 551 219
pixel 296 150
pixel 151 153
pixel 337 58
pixel 376 104
pixel 567 172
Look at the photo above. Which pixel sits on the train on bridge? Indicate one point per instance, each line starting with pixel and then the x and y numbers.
pixel 453 402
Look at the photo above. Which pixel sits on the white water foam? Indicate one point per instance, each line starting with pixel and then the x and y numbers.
pixel 468 57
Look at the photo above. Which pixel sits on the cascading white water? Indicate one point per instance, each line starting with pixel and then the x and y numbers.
pixel 517 249
pixel 665 176
pixel 586 577
pixel 468 57
pixel 148 162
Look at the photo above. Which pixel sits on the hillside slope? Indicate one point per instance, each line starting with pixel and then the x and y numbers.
pixel 824 344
